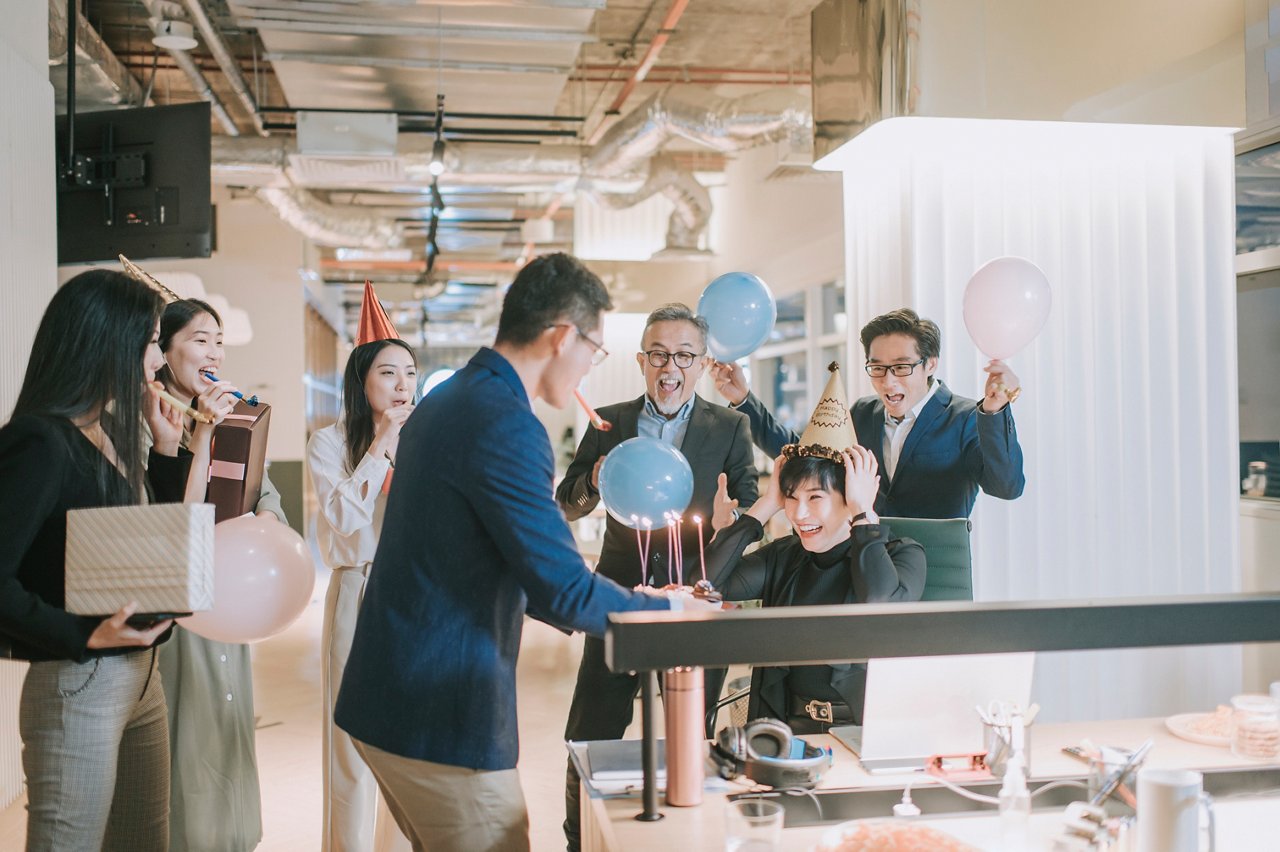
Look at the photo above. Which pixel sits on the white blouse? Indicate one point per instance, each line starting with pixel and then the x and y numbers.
pixel 351 504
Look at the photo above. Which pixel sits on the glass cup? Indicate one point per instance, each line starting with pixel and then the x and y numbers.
pixel 753 825
pixel 1255 726
pixel 996 741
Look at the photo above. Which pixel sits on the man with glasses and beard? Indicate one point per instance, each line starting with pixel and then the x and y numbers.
pixel 717 444
pixel 935 449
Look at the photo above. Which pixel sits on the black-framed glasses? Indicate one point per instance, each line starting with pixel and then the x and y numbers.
pixel 660 357
pixel 598 354
pixel 879 371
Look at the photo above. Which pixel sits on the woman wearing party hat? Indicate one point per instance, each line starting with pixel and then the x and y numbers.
pixel 351 464
pixel 839 553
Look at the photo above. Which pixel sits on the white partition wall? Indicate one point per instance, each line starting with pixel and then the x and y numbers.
pixel 1129 415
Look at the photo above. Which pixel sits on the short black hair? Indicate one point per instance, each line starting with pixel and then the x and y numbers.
pixel 550 289
pixel 926 333
pixel 829 475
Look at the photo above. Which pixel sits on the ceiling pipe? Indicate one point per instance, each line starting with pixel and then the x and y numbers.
pixel 230 68
pixel 646 62
pixel 157 11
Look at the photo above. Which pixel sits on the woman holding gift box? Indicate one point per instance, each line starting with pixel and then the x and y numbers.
pixel 215 803
pixel 92 713
pixel 351 464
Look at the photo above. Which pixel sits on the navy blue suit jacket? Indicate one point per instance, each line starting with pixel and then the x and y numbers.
pixel 471 538
pixel 952 450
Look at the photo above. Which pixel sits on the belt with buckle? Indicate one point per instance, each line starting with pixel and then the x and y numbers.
pixel 828 712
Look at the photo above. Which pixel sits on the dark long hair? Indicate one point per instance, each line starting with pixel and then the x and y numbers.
pixel 88 352
pixel 357 416
pixel 177 316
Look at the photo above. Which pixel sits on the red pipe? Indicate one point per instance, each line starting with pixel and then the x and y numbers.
pixel 646 63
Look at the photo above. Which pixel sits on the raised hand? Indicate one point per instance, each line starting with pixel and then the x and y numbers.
pixel 730 381
pixel 217 400
pixel 386 431
pixel 861 482
pixel 722 509
pixel 164 420
pixel 1002 387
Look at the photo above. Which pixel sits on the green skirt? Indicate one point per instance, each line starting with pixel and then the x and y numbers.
pixel 214 803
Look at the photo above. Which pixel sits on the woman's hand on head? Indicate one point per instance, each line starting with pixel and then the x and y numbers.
pixel 861 480
pixel 115 632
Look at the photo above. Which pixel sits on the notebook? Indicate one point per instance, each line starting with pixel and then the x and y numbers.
pixel 917 707
pixel 620 760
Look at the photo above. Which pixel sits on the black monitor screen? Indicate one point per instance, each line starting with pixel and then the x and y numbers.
pixel 139 185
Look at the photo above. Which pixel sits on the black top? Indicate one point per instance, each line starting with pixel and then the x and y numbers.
pixel 48 466
pixel 820 581
pixel 870 567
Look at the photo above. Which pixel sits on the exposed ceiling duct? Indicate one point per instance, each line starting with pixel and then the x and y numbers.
pixel 161 10
pixel 101 79
pixel 724 124
pixel 611 170
pixel 329 225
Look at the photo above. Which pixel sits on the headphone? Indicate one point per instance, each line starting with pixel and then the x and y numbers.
pixel 768 753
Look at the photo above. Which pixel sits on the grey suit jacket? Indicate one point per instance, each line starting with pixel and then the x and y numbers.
pixel 717 441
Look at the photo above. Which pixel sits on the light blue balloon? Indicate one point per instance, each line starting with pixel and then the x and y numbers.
pixel 644 478
pixel 740 310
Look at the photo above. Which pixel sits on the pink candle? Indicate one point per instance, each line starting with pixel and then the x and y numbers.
pixel 702 558
pixel 679 549
pixel 671 548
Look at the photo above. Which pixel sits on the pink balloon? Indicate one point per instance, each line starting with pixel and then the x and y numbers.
pixel 262 581
pixel 1006 303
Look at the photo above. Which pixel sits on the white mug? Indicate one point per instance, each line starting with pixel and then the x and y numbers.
pixel 1169 802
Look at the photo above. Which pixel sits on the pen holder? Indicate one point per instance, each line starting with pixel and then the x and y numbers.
pixel 997 740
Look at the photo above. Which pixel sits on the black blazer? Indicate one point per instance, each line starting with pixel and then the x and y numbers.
pixel 718 440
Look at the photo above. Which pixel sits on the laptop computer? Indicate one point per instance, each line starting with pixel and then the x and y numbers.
pixel 917 707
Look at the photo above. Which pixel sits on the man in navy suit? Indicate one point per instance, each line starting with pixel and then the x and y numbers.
pixel 935 449
pixel 472 538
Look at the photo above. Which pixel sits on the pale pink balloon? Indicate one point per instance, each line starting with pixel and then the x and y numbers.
pixel 1006 303
pixel 262 581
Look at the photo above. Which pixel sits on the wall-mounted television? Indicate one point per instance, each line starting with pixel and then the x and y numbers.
pixel 138 185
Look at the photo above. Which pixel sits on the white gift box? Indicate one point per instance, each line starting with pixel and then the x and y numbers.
pixel 159 555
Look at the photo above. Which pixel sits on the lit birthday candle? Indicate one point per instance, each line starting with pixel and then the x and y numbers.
pixel 702 558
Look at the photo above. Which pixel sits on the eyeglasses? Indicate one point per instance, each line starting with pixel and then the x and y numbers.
pixel 599 353
pixel 879 371
pixel 660 357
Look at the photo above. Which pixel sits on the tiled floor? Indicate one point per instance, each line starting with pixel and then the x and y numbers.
pixel 287 686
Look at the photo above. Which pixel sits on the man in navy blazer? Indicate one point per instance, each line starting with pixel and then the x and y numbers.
pixel 472 538
pixel 935 448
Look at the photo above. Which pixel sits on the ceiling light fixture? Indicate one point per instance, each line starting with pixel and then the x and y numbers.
pixel 174 35
pixel 437 150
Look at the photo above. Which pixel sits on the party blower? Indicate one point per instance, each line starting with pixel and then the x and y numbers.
pixel 596 420
pixel 253 400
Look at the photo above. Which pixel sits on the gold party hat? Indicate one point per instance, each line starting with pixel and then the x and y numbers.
pixel 830 429
pixel 137 273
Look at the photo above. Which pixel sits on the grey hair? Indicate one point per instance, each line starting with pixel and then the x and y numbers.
pixel 678 312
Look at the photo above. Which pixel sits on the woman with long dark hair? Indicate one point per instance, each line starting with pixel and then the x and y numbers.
pixel 92 714
pixel 351 463
pixel 216 803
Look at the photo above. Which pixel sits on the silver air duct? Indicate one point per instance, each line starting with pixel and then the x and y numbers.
pixel 625 157
pixel 327 225
pixel 725 124
pixel 101 79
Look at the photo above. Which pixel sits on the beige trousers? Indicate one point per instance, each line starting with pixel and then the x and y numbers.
pixel 451 808
pixel 355 817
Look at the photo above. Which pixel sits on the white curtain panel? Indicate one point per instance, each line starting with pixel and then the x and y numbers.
pixel 1128 417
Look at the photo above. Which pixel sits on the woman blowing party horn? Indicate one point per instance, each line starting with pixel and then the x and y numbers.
pixel 215 802
pixel 92 714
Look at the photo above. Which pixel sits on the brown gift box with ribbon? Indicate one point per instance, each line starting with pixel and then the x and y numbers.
pixel 239 455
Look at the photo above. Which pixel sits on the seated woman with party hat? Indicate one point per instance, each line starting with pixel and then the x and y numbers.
pixel 839 553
